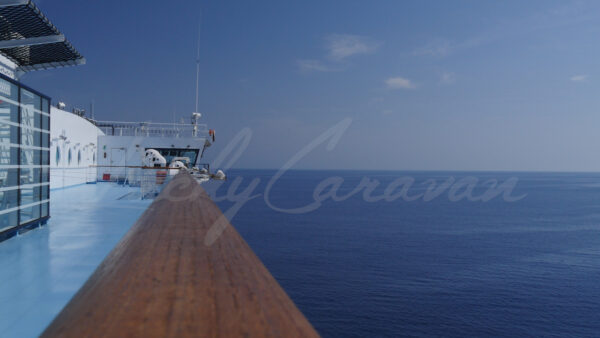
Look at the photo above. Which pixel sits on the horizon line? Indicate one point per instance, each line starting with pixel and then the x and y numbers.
pixel 431 170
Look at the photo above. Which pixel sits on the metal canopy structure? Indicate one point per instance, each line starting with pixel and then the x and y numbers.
pixel 31 41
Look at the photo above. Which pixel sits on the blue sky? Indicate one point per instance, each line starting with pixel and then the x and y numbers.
pixel 432 85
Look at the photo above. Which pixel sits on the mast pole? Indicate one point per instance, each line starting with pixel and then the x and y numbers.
pixel 197 68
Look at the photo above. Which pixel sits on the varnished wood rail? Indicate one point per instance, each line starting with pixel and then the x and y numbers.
pixel 181 271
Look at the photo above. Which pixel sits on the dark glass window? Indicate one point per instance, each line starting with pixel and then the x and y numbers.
pixel 8 177
pixel 45 209
pixel 170 154
pixel 8 154
pixel 9 112
pixel 30 102
pixel 8 220
pixel 8 199
pixel 30 175
pixel 46 174
pixel 31 157
pixel 45 118
pixel 23 116
pixel 31 137
pixel 29 214
pixel 29 196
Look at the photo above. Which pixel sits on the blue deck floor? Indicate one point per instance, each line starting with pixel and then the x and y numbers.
pixel 42 269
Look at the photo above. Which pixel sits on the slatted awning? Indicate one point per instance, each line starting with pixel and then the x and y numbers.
pixel 31 41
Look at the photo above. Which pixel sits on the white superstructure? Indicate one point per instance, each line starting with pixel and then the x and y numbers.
pixel 86 151
pixel 123 146
pixel 73 149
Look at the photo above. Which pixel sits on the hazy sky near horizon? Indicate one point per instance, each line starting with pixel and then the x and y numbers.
pixel 433 85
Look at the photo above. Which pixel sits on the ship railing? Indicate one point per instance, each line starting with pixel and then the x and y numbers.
pixel 152 129
pixel 150 180
pixel 182 270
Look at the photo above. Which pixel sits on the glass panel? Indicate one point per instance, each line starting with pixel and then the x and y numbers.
pixel 37 122
pixel 30 102
pixel 9 199
pixel 28 117
pixel 30 213
pixel 45 119
pixel 26 196
pixel 30 157
pixel 8 90
pixel 45 105
pixel 45 122
pixel 8 220
pixel 31 195
pixel 30 175
pixel 37 193
pixel 8 154
pixel 45 140
pixel 170 154
pixel 30 99
pixel 45 157
pixel 8 178
pixel 45 175
pixel 8 110
pixel 45 208
pixel 8 134
pixel 30 137
pixel 37 138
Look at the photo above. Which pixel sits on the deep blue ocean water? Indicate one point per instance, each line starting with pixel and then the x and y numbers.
pixel 432 268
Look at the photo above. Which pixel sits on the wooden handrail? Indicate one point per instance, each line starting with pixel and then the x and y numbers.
pixel 181 271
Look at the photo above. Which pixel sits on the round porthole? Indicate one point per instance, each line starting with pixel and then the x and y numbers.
pixel 70 157
pixel 57 155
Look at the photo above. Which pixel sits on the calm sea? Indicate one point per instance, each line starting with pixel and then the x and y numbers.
pixel 432 268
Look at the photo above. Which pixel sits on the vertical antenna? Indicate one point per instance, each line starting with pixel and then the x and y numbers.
pixel 198 67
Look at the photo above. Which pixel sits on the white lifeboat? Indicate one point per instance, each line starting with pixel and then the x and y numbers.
pixel 177 166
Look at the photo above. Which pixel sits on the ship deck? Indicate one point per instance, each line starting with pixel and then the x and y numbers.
pixel 42 269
